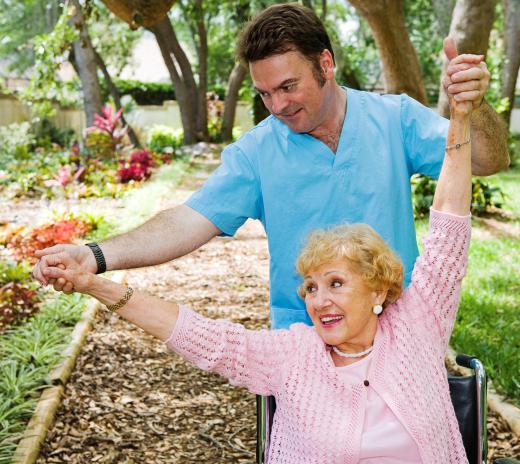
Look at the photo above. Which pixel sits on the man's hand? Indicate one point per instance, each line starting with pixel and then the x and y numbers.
pixel 467 76
pixel 60 266
pixel 79 255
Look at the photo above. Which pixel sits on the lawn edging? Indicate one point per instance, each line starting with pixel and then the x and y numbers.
pixel 28 448
pixel 496 402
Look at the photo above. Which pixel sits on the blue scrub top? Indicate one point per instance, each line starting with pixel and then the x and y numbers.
pixel 293 183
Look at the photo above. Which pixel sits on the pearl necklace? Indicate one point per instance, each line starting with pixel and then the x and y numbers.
pixel 352 355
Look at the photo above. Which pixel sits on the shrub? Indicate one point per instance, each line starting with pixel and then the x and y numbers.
pixel 102 139
pixel 423 188
pixel 17 301
pixel 18 295
pixel 138 167
pixel 99 144
pixel 144 93
pixel 484 195
pixel 164 139
pixel 16 141
pixel 24 243
pixel 47 134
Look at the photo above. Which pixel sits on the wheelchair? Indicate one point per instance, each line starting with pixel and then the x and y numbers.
pixel 469 397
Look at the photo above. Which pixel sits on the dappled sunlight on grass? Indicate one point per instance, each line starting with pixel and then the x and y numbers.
pixel 488 323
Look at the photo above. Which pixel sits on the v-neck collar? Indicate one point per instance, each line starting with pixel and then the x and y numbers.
pixel 347 140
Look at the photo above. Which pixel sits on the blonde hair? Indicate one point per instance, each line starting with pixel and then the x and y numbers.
pixel 363 250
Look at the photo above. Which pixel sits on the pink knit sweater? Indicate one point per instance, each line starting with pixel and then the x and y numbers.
pixel 318 413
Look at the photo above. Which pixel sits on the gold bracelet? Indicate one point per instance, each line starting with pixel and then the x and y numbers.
pixel 122 301
pixel 458 145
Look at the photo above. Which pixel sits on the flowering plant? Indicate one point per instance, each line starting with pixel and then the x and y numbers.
pixel 107 132
pixel 24 243
pixel 110 123
pixel 138 167
pixel 64 177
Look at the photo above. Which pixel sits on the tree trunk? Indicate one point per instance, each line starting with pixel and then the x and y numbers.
pixel 260 112
pixel 401 69
pixel 470 28
pixel 512 64
pixel 443 10
pixel 230 104
pixel 115 95
pixel 86 65
pixel 181 75
pixel 202 51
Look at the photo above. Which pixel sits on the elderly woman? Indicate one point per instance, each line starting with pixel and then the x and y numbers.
pixel 367 383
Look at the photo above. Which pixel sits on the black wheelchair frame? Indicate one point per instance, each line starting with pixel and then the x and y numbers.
pixel 469 397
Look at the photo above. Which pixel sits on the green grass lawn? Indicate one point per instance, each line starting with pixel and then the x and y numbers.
pixel 488 322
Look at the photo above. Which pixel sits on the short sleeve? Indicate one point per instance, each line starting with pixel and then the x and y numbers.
pixel 232 194
pixel 424 136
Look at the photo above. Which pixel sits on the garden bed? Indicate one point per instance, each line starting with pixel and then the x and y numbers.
pixel 23 378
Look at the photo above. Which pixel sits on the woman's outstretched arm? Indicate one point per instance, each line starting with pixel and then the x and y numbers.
pixel 254 359
pixel 154 315
pixel 453 192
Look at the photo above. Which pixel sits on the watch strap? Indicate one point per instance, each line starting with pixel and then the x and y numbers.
pixel 99 256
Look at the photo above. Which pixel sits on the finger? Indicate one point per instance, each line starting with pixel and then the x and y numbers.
pixel 37 274
pixel 446 82
pixel 450 49
pixel 473 96
pixel 60 283
pixel 55 273
pixel 68 292
pixel 464 87
pixel 68 288
pixel 469 75
pixel 453 68
pixel 55 259
pixel 467 58
pixel 48 251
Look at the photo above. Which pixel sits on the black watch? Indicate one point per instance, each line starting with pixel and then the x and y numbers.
pixel 100 257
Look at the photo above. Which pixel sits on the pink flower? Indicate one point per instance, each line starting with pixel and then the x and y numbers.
pixel 64 177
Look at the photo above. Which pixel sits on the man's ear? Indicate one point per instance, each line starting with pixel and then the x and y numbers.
pixel 327 64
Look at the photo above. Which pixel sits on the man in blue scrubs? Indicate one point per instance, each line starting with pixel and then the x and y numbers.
pixel 326 155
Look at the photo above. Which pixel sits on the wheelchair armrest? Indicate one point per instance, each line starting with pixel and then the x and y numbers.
pixel 506 461
pixel 465 361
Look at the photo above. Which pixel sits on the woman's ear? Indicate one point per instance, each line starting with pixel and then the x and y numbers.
pixel 380 296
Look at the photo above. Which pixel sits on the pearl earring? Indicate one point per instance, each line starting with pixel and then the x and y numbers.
pixel 377 309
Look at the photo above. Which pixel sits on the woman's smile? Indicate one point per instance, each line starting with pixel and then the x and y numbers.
pixel 328 321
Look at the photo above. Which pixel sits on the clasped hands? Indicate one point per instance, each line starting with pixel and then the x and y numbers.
pixel 467 78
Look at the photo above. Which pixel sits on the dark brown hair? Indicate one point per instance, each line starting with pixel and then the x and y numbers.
pixel 282 28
